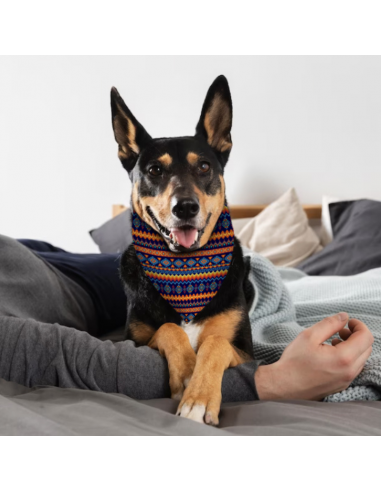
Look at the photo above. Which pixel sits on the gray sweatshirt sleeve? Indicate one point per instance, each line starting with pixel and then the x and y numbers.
pixel 34 353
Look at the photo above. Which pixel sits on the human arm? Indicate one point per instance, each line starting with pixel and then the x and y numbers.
pixel 34 353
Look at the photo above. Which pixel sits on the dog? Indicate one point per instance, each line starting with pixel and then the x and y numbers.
pixel 178 189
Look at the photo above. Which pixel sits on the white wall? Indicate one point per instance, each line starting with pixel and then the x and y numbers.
pixel 309 122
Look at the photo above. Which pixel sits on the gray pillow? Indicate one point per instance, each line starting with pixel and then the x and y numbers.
pixel 115 235
pixel 356 245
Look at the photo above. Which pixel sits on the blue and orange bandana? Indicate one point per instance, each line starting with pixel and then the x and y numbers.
pixel 188 281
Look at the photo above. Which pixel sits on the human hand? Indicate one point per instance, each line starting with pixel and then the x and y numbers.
pixel 309 369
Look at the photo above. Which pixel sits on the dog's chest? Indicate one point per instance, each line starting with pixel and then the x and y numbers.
pixel 193 331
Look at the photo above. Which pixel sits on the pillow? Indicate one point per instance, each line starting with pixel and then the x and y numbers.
pixel 239 224
pixel 356 245
pixel 281 232
pixel 326 227
pixel 115 235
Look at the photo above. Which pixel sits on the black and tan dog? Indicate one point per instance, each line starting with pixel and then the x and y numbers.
pixel 178 189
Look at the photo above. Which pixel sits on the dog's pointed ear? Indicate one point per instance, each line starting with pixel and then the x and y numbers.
pixel 129 133
pixel 216 117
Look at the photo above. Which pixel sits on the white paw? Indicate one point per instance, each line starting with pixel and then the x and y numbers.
pixel 195 412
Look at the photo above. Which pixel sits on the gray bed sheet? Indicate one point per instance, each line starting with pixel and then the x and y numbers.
pixel 57 411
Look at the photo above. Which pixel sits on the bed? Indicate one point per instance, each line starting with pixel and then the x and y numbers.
pixel 69 411
pixel 58 411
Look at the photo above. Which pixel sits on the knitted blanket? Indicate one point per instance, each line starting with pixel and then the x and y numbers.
pixel 287 301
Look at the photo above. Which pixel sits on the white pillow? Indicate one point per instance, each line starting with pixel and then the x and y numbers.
pixel 326 227
pixel 239 224
pixel 281 232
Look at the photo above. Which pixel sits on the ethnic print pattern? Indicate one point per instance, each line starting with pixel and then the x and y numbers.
pixel 188 281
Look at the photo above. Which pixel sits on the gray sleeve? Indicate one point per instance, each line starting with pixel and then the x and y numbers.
pixel 34 353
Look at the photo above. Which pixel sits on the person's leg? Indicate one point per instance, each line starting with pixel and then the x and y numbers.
pixel 97 274
pixel 31 288
pixel 40 246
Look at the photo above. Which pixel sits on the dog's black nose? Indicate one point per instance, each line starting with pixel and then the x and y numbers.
pixel 186 208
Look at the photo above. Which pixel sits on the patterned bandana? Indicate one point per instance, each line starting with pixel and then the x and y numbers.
pixel 188 281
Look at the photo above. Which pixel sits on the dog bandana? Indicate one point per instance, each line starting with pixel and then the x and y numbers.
pixel 188 281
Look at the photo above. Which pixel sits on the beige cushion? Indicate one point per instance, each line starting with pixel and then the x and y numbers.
pixel 239 224
pixel 281 232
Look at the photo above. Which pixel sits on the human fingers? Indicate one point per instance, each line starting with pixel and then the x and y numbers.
pixel 327 327
pixel 335 342
pixel 356 325
pixel 361 361
pixel 345 333
pixel 354 370
pixel 351 369
pixel 359 341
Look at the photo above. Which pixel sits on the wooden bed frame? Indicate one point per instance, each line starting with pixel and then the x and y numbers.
pixel 244 211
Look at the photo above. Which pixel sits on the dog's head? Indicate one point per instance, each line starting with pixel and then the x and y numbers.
pixel 177 183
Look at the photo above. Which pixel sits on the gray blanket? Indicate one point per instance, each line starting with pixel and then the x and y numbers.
pixel 288 300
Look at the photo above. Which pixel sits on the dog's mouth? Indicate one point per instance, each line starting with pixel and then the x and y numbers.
pixel 184 237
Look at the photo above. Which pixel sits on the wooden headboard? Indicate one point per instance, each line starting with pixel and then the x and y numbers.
pixel 244 211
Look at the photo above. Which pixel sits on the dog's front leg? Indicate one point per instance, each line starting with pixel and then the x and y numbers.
pixel 202 398
pixel 173 343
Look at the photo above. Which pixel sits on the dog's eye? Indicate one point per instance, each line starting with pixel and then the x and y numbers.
pixel 203 167
pixel 155 171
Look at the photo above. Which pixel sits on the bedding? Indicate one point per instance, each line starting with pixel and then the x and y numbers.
pixel 281 232
pixel 115 235
pixel 286 301
pixel 326 227
pixel 34 353
pixel 67 412
pixel 356 244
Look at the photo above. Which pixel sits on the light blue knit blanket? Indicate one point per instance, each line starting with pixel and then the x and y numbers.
pixel 287 301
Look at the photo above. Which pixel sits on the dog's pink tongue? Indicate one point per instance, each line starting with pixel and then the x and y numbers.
pixel 185 237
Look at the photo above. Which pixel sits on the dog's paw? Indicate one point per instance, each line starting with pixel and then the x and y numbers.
pixel 200 407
